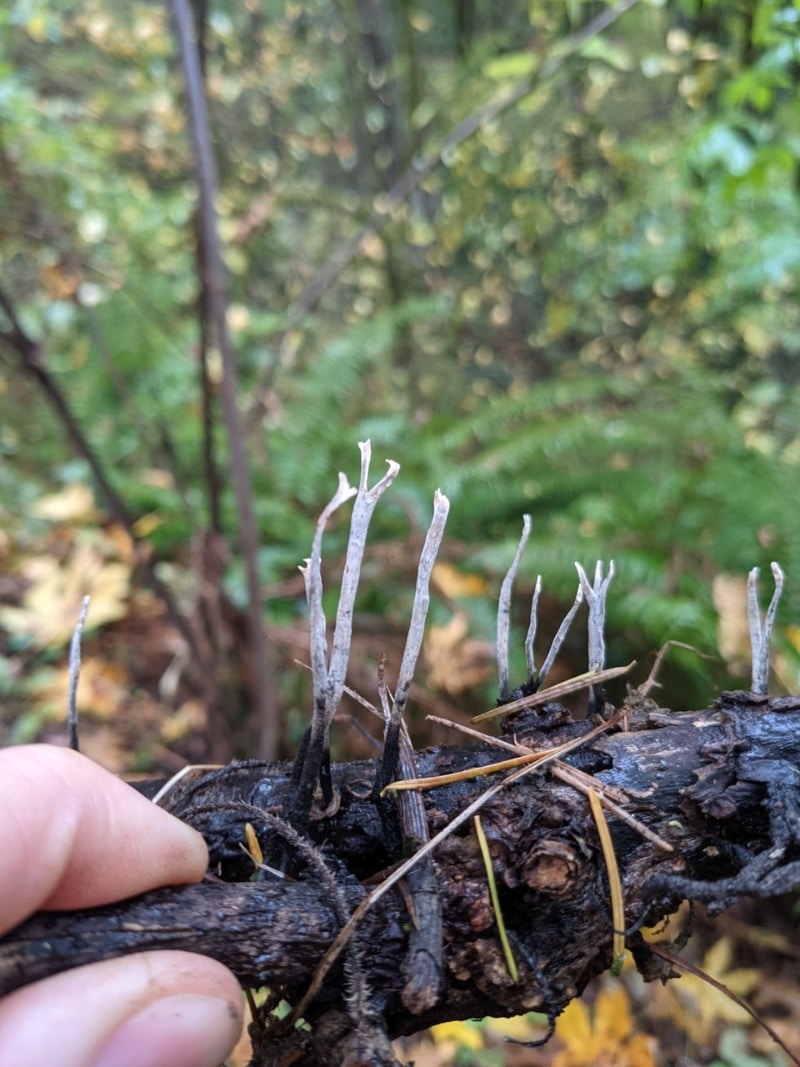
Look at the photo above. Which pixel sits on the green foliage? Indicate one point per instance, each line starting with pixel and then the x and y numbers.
pixel 587 311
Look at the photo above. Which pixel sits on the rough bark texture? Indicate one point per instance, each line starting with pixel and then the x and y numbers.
pixel 720 786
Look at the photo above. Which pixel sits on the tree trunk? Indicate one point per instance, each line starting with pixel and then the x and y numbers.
pixel 719 787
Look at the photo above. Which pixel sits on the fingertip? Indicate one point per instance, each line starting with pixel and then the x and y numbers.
pixel 188 1030
pixel 75 836
pixel 104 1012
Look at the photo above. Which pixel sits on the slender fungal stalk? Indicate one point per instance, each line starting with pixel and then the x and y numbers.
pixel 761 634
pixel 422 599
pixel 561 634
pixel 74 675
pixel 530 637
pixel 504 610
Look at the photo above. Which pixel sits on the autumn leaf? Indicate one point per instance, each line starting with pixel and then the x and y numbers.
pixel 73 504
pixel 452 582
pixel 697 1007
pixel 52 600
pixel 103 688
pixel 604 1038
pixel 457 662
pixel 462 1034
pixel 517 1028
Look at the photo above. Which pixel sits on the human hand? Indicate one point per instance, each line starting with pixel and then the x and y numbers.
pixel 71 836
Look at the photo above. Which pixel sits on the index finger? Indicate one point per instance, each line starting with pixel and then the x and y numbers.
pixel 72 835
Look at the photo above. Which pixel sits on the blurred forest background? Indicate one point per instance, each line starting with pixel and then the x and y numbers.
pixel 550 269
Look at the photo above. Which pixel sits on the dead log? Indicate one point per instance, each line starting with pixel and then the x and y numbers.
pixel 720 788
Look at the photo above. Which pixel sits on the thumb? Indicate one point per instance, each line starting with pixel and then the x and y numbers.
pixel 155 1009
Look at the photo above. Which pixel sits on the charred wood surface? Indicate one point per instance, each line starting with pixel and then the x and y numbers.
pixel 721 787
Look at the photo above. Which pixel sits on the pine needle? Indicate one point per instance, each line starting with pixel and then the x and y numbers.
pixel 511 963
pixel 480 772
pixel 614 882
pixel 555 692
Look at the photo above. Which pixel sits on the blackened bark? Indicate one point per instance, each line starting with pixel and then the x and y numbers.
pixel 719 786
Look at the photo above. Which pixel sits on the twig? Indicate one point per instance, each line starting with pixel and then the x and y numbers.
pixel 423 966
pixel 761 634
pixel 584 782
pixel 216 283
pixel 692 968
pixel 479 735
pixel 74 675
pixel 504 610
pixel 423 963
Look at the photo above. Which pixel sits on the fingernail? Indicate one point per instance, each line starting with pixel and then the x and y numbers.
pixel 185 1031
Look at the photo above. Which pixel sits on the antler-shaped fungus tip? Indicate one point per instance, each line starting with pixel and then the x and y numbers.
pixel 761 633
pixel 596 594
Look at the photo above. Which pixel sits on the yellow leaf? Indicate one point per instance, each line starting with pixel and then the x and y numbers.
pixel 465 1034
pixel 574 1027
pixel 75 503
pixel 612 1015
pixel 606 1041
pixel 793 637
pixel 103 688
pixel 52 601
pixel 452 582
pixel 189 718
pixel 518 1027
pixel 455 661
pixel 144 526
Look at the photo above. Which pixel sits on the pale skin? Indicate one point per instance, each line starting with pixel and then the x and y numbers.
pixel 72 835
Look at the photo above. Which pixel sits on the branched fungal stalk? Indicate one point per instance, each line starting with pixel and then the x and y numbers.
pixel 504 610
pixel 363 508
pixel 596 599
pixel 312 578
pixel 328 675
pixel 761 633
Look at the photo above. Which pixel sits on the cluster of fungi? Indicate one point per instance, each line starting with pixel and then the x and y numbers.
pixel 495 876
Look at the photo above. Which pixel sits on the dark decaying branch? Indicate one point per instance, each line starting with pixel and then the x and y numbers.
pixel 367 943
pixel 720 786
